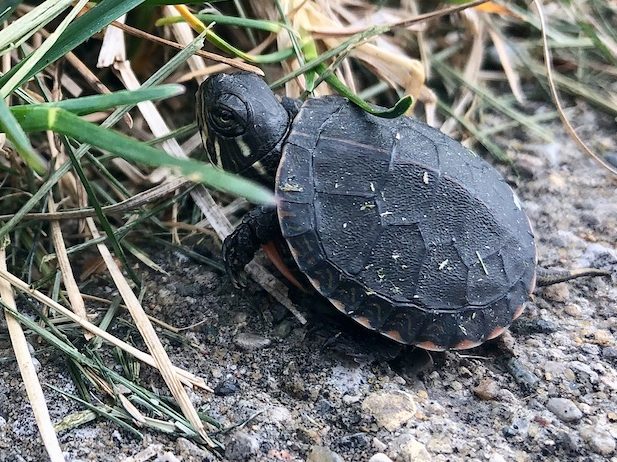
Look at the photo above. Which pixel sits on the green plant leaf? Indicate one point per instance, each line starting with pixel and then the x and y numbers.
pixel 14 132
pixel 45 118
pixel 90 104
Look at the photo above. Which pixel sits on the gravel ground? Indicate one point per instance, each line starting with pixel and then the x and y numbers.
pixel 329 391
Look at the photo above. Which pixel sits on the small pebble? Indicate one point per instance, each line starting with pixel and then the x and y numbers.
pixel 225 388
pixel 440 445
pixel 414 451
pixel 600 441
pixel 241 446
pixel 487 389
pixel 390 409
pixel 564 409
pixel 523 376
pixel 572 309
pixel 379 445
pixel 456 386
pixel 248 341
pixel 557 293
pixel 496 458
pixel 380 457
pixel 323 454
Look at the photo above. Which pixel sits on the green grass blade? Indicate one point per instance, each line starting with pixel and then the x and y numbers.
pixel 14 132
pixel 90 104
pixel 61 121
pixel 259 24
pixel 38 54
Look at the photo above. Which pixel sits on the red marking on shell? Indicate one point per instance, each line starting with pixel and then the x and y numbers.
pixel 496 333
pixel 532 285
pixel 394 335
pixel 275 257
pixel 428 345
pixel 466 344
pixel 364 321
pixel 338 305
pixel 518 311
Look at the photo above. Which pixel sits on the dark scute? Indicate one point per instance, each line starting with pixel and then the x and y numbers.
pixel 307 248
pixel 517 259
pixel 482 234
pixel 295 218
pixel 347 226
pixel 347 169
pixel 355 125
pixel 408 321
pixel 326 277
pixel 408 194
pixel 416 146
pixel 452 205
pixel 394 263
pixel 487 283
pixel 307 124
pixel 442 283
pixel 376 309
pixel 295 175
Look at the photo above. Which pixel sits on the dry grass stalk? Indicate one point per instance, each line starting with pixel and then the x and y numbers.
pixel 150 338
pixel 77 302
pixel 187 377
pixel 28 373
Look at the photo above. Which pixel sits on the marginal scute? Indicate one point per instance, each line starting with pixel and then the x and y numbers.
pixel 402 227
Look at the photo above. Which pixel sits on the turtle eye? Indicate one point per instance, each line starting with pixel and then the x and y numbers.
pixel 228 118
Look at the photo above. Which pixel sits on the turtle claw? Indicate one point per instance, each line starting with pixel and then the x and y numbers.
pixel 238 278
pixel 235 258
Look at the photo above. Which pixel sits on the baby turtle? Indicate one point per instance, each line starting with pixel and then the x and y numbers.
pixel 399 226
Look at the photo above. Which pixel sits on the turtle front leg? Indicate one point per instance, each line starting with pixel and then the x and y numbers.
pixel 258 227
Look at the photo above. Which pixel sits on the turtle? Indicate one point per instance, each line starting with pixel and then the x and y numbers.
pixel 399 226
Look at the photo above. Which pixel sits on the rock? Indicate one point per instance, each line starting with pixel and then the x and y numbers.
pixel 557 293
pixel 379 445
pixel 456 385
pixel 380 457
pixel 390 409
pixel 414 451
pixel 241 446
pixel 572 309
pixel 323 454
pixel 190 452
pixel 519 427
pixel 225 388
pixel 440 445
pixel 496 458
pixel 487 389
pixel 523 376
pixel 600 441
pixel 248 341
pixel 609 353
pixel 564 409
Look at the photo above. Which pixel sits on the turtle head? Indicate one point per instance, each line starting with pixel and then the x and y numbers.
pixel 242 124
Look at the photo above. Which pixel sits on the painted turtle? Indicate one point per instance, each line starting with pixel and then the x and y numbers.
pixel 399 226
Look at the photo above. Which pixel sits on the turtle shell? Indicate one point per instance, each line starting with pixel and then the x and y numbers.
pixel 403 228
